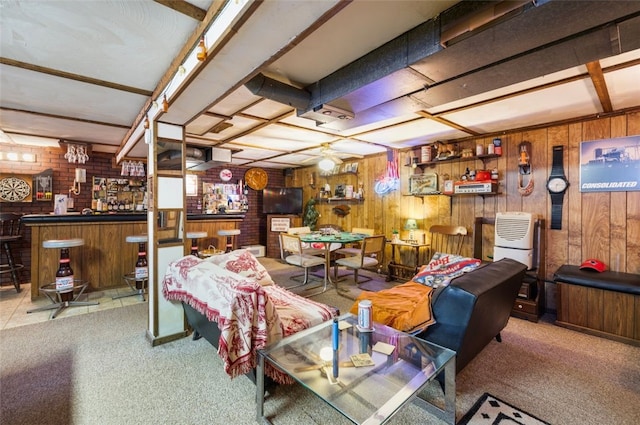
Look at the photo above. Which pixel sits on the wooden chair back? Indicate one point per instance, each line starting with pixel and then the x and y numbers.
pixel 447 239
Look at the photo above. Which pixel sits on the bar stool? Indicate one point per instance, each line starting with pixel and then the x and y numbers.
pixel 231 237
pixel 66 290
pixel 138 279
pixel 9 234
pixel 194 241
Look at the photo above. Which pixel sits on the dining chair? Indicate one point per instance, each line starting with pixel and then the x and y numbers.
pixel 370 255
pixel 292 253
pixel 352 248
pixel 306 247
pixel 447 238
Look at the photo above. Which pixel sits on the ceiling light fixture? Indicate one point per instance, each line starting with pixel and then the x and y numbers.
pixel 326 164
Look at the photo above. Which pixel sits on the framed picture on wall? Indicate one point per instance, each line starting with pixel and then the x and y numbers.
pixel 423 184
pixel 610 165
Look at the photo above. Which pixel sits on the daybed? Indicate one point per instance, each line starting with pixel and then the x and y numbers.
pixel 466 313
pixel 231 300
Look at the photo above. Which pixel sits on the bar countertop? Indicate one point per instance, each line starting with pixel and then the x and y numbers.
pixel 36 219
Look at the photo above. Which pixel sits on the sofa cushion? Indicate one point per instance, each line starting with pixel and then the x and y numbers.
pixel 242 262
pixel 406 307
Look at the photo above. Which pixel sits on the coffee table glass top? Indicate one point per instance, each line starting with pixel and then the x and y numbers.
pixel 365 394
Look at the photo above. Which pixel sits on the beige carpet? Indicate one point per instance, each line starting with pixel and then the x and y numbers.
pixel 99 369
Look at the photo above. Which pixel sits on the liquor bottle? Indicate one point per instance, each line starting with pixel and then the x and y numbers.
pixel 142 267
pixel 64 276
pixel 201 55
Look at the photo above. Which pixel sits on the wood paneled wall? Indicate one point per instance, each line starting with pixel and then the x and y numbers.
pixel 603 225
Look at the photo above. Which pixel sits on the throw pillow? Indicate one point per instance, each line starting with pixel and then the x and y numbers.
pixel 443 268
pixel 244 263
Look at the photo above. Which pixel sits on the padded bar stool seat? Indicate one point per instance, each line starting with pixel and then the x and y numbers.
pixel 194 236
pixel 65 297
pixel 10 234
pixel 136 283
pixel 231 237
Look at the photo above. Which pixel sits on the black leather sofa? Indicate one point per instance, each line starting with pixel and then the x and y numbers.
pixel 474 308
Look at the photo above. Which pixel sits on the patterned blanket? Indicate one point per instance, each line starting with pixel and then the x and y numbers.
pixel 250 316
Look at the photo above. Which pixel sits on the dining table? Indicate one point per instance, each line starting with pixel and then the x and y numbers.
pixel 328 238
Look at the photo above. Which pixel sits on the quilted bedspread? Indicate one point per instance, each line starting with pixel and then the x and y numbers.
pixel 249 315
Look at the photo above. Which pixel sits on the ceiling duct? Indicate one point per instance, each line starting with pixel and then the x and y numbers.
pixel 266 87
pixel 196 159
pixel 526 41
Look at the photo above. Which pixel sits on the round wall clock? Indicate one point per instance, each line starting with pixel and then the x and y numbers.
pixel 14 189
pixel 225 175
pixel 256 178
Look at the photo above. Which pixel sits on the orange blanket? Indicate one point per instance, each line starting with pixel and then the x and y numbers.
pixel 406 307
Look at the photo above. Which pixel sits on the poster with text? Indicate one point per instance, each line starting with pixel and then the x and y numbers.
pixel 610 165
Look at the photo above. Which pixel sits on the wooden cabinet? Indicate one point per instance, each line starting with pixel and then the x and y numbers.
pixel 530 302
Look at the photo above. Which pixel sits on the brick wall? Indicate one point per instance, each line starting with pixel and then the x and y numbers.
pixel 103 165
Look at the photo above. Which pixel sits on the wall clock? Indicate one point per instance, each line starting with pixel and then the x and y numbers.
pixel 225 175
pixel 256 178
pixel 14 189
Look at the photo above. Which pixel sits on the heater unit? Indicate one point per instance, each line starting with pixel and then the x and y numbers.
pixel 514 237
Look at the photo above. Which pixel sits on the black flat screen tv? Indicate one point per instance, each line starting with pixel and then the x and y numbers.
pixel 282 200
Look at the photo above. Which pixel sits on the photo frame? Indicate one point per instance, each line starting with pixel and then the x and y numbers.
pixel 354 167
pixel 610 165
pixel 423 184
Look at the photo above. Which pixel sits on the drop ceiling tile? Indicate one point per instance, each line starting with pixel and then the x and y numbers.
pixel 552 104
pixel 624 87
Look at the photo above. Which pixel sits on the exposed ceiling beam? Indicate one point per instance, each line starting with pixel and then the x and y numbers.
pixel 185 8
pixel 447 123
pixel 76 77
pixel 599 83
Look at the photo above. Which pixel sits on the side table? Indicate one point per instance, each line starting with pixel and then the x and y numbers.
pixel 396 268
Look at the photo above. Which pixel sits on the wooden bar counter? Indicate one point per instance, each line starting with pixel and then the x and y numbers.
pixel 105 256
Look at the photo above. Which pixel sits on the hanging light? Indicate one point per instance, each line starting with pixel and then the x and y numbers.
pixel 145 124
pixel 326 164
pixel 201 54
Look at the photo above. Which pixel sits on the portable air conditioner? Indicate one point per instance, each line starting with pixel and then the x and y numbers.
pixel 514 237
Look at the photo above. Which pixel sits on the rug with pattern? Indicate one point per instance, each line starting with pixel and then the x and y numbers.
pixel 491 410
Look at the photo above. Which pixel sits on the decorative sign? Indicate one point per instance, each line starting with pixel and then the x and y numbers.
pixel 610 165
pixel 225 175
pixel 423 184
pixel 281 224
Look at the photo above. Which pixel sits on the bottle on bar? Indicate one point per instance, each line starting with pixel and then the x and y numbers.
pixel 64 276
pixel 142 268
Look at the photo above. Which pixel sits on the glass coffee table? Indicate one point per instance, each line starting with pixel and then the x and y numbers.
pixel 401 366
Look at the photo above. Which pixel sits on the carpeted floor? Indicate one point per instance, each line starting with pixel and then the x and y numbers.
pixel 99 368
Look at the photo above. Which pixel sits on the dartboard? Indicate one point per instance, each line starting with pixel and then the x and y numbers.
pixel 14 189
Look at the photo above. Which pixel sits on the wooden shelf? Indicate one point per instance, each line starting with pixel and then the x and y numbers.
pixel 339 200
pixel 456 158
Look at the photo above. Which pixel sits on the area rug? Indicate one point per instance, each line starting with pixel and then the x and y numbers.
pixel 491 410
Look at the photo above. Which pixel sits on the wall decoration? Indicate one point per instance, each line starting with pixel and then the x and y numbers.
pixel 16 188
pixel 423 184
pixel 610 165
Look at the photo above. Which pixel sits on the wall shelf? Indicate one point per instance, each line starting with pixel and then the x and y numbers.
pixel 455 158
pixel 334 200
